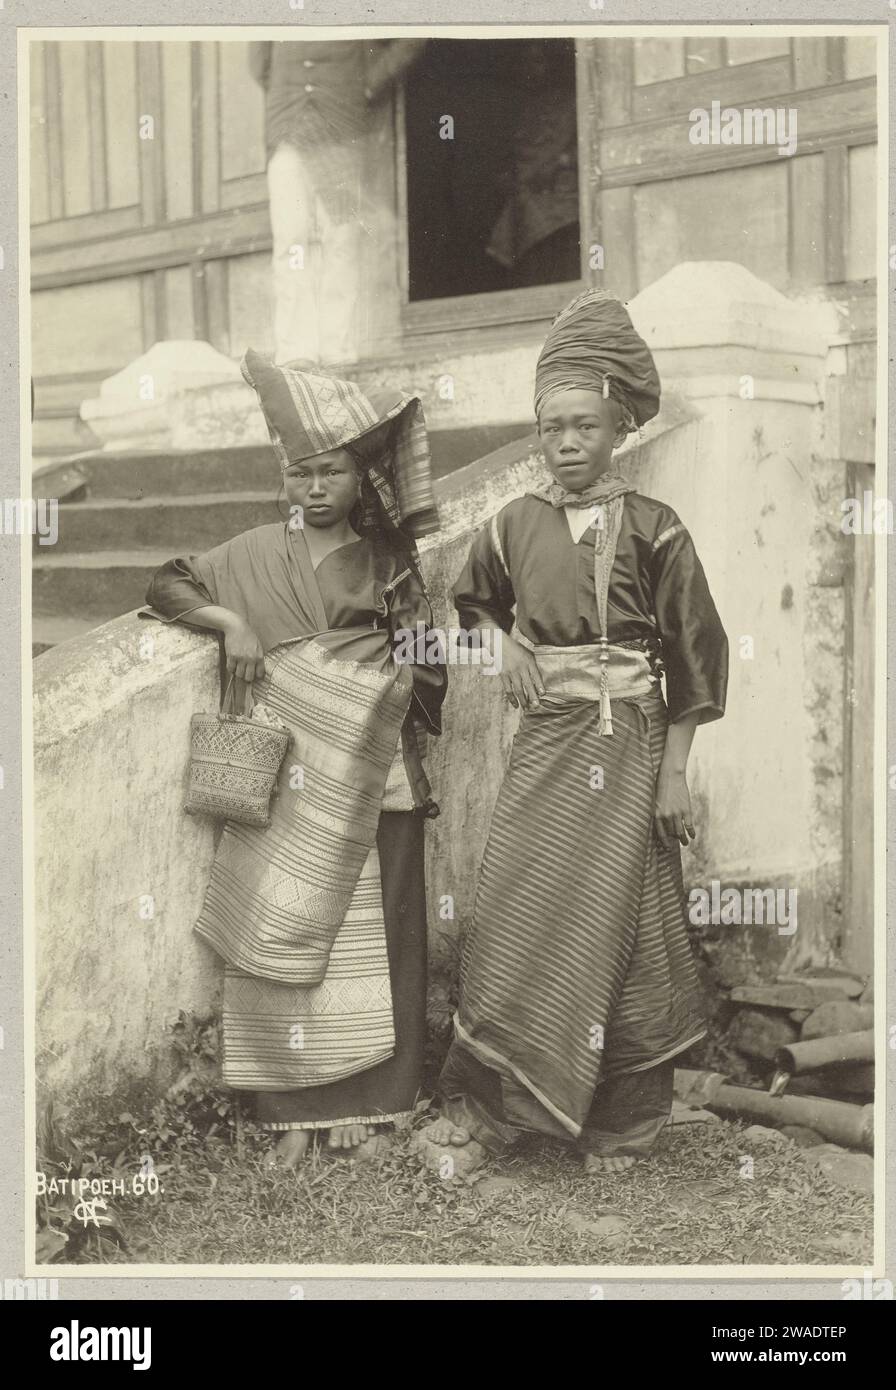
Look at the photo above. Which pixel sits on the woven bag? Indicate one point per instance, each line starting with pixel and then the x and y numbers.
pixel 234 762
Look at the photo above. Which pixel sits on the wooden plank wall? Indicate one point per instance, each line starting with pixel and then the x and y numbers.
pixel 148 199
pixel 795 221
pixel 139 239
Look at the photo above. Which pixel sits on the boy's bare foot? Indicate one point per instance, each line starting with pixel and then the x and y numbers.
pixel 445 1131
pixel 448 1149
pixel 597 1163
pixel 347 1137
pixel 290 1150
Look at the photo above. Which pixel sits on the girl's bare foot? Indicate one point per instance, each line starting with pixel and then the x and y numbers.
pixel 358 1141
pixel 290 1150
pixel 376 1145
pixel 347 1137
pixel 597 1163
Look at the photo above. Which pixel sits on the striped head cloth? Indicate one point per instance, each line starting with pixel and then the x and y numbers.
pixel 309 414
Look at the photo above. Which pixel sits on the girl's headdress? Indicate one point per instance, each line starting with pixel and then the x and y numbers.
pixel 309 414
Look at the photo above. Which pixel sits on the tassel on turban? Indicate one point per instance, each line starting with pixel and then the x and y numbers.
pixel 593 346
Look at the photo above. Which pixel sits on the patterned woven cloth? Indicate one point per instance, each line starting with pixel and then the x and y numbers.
pixel 277 1037
pixel 309 414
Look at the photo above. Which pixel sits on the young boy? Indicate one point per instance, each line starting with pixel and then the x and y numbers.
pixel 578 989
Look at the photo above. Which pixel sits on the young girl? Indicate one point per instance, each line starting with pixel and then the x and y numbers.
pixel 577 988
pixel 320 918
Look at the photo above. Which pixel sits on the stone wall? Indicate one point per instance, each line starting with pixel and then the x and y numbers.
pixel 119 867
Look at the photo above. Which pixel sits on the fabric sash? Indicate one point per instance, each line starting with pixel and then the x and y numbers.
pixel 573 674
pixel 277 896
pixel 605 489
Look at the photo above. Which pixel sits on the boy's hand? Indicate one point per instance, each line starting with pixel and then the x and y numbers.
pixel 520 677
pixel 673 818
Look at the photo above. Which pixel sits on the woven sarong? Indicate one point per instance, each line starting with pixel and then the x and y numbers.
pixel 278 896
pixel 577 965
pixel 277 1037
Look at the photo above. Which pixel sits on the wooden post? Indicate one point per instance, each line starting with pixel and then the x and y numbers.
pixel 238 1124
pixel 857 946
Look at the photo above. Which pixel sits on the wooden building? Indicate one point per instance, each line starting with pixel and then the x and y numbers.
pixel 149 200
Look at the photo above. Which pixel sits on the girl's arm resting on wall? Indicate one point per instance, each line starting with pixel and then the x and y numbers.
pixel 178 593
pixel 245 657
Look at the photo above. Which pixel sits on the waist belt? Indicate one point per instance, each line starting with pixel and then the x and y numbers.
pixel 593 672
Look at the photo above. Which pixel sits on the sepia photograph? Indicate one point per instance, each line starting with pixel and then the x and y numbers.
pixel 456 690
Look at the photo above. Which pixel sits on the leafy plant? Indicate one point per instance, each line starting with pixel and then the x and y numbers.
pixel 185 1129
pixel 74 1223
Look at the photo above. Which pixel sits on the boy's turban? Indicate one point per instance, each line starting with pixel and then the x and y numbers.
pixel 593 345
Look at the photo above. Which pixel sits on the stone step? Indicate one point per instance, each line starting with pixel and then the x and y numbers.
pixel 175 524
pixel 109 546
pixel 94 587
pixel 137 476
pixel 248 468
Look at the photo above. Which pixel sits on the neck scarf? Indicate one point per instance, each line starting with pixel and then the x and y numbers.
pixel 604 489
pixel 607 495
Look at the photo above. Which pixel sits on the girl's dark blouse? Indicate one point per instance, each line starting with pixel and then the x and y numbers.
pixel 351 581
pixel 658 590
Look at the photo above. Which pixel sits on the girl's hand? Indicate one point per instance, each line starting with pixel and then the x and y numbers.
pixel 520 677
pixel 673 818
pixel 245 658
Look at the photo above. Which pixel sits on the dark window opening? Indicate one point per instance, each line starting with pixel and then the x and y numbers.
pixel 496 207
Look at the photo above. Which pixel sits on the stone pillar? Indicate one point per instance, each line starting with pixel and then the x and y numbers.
pixel 180 394
pixel 748 490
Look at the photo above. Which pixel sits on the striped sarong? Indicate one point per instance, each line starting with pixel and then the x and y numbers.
pixel 277 896
pixel 577 965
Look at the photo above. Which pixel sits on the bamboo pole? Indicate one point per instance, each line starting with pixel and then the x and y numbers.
pixel 850 1125
pixel 826 1052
